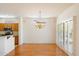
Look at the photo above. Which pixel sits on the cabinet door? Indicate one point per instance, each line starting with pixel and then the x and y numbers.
pixel 1 27
pixel 16 40
pixel 7 25
pixel 14 27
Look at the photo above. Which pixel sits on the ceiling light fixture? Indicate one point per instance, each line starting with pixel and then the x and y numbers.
pixel 39 22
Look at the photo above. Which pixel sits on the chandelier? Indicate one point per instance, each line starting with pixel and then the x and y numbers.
pixel 39 23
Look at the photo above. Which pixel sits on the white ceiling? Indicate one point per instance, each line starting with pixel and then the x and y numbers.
pixel 32 9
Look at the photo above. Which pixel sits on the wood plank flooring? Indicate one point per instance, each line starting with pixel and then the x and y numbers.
pixel 37 50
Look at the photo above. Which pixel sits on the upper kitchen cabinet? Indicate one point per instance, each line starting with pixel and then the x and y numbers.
pixel 14 26
pixel 1 26
pixel 7 25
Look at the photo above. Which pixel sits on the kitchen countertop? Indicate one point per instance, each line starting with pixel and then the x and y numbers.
pixel 4 35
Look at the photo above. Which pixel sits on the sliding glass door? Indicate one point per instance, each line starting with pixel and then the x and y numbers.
pixel 66 35
pixel 70 39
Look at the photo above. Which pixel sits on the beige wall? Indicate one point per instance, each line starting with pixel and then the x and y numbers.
pixel 44 35
pixel 72 11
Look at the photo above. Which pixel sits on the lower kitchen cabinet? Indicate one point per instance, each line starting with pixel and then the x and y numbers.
pixel 16 40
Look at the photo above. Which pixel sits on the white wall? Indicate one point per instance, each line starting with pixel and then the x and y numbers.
pixel 44 35
pixel 9 20
pixel 72 11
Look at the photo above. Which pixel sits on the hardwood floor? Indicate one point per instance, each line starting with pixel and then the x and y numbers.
pixel 37 50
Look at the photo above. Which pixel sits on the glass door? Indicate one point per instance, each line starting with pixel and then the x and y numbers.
pixel 66 35
pixel 70 39
pixel 61 34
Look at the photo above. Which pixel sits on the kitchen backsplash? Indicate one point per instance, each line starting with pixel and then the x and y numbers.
pixel 15 33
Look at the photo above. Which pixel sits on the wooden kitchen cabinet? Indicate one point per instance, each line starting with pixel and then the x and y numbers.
pixel 14 26
pixel 1 27
pixel 7 25
pixel 16 40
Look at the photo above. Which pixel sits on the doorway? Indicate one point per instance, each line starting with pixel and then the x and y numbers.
pixel 14 27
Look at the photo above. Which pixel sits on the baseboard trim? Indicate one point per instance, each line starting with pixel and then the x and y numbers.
pixel 39 43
